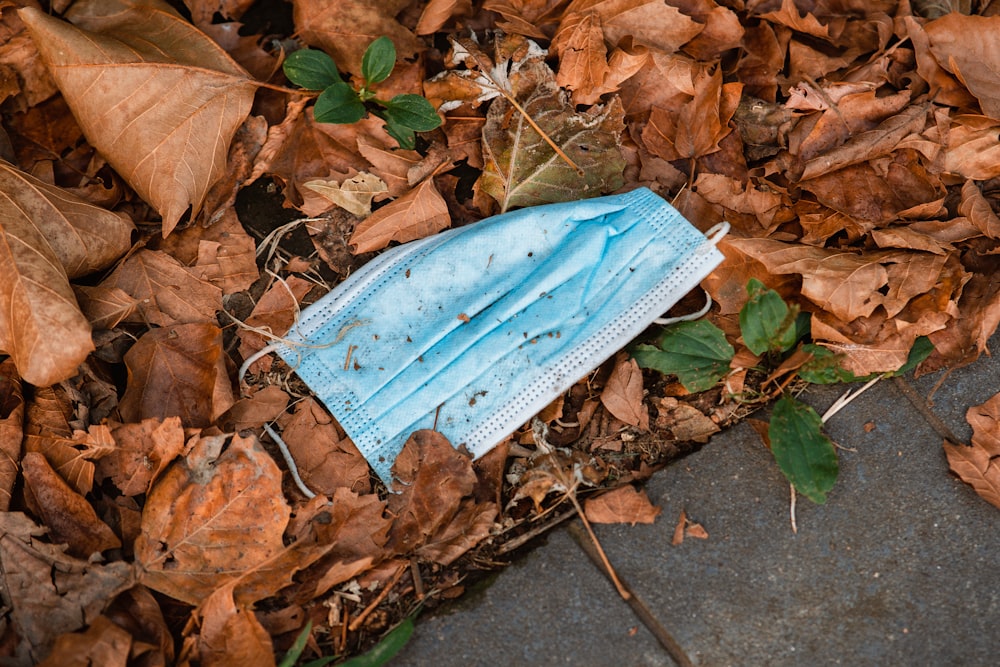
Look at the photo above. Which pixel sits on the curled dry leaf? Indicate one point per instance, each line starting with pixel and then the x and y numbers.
pixel 49 236
pixel 231 635
pixel 985 422
pixel 50 591
pixel 522 169
pixel 977 468
pixel 69 517
pixel 967 46
pixel 345 29
pixel 622 395
pixel 419 213
pixel 117 65
pixel 11 429
pixel 354 194
pixel 652 23
pixel 626 504
pixel 213 516
pixel 166 291
pixel 174 372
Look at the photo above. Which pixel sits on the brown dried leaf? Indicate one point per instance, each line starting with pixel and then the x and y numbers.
pixel 354 194
pixel 583 62
pixel 227 255
pixel 275 312
pixel 622 395
pixel 438 12
pixel 174 372
pixel 144 451
pixel 522 169
pixel 533 18
pixel 977 468
pixel 103 643
pixel 50 592
pixel 230 633
pixel 651 23
pixel 972 148
pixel 985 422
pixel 11 429
pixel 115 74
pixel 419 213
pixel 73 458
pixel 430 480
pixel 47 237
pixel 327 460
pixel 214 515
pixel 345 29
pixel 625 504
pixel 264 406
pixel 67 514
pixel 979 212
pixel 167 292
pixel 104 307
pixel 967 46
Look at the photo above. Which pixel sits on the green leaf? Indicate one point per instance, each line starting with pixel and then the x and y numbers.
pixel 412 111
pixel 804 454
pixel 696 352
pixel 402 134
pixel 295 650
pixel 824 367
pixel 311 69
pixel 378 61
pixel 339 104
pixel 385 649
pixel 922 348
pixel 768 323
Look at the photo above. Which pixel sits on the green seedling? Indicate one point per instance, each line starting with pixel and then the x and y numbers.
pixel 339 102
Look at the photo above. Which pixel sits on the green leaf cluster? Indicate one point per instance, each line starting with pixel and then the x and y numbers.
pixel 339 102
pixel 698 354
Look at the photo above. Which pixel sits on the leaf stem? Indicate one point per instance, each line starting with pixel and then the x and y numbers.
pixel 283 89
pixel 541 132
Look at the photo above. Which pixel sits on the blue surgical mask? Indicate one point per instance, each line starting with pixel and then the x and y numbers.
pixel 473 331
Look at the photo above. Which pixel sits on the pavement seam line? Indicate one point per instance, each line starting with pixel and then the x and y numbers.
pixel 924 409
pixel 635 603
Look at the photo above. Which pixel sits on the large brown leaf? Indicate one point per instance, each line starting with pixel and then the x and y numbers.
pixel 419 213
pixel 969 48
pixel 213 516
pixel 159 99
pixel 174 372
pixel 46 237
pixel 522 169
pixel 652 23
pixel 344 29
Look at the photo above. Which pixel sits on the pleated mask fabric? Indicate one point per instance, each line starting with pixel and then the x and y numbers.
pixel 474 330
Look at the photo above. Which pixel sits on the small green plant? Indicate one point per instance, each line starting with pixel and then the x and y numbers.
pixel 339 102
pixel 378 656
pixel 698 354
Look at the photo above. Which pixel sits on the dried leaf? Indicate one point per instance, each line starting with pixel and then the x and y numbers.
pixel 144 451
pixel 626 504
pixel 419 213
pixel 275 313
pixel 327 460
pixel 103 643
pixel 979 212
pixel 967 47
pixel 438 12
pixel 47 237
pixel 11 429
pixel 115 74
pixel 73 458
pixel 354 195
pixel 622 395
pixel 346 29
pixel 522 169
pixel 231 635
pixel 985 422
pixel 214 515
pixel 648 22
pixel 972 148
pixel 51 592
pixel 69 517
pixel 977 468
pixel 431 479
pixel 264 406
pixel 166 291
pixel 104 307
pixel 173 372
pixel 583 63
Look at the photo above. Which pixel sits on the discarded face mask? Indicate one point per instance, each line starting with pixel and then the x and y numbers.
pixel 473 331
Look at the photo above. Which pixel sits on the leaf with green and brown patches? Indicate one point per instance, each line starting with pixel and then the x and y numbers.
pixel 522 169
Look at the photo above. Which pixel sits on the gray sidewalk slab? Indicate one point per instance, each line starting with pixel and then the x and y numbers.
pixel 899 567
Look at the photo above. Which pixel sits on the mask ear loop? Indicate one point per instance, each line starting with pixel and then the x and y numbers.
pixel 714 235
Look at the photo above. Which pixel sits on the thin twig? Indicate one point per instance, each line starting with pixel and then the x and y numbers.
pixel 791 509
pixel 600 551
pixel 360 618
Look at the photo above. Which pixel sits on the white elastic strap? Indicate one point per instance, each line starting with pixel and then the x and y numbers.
pixel 289 461
pixel 718 232
pixel 690 316
pixel 263 352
